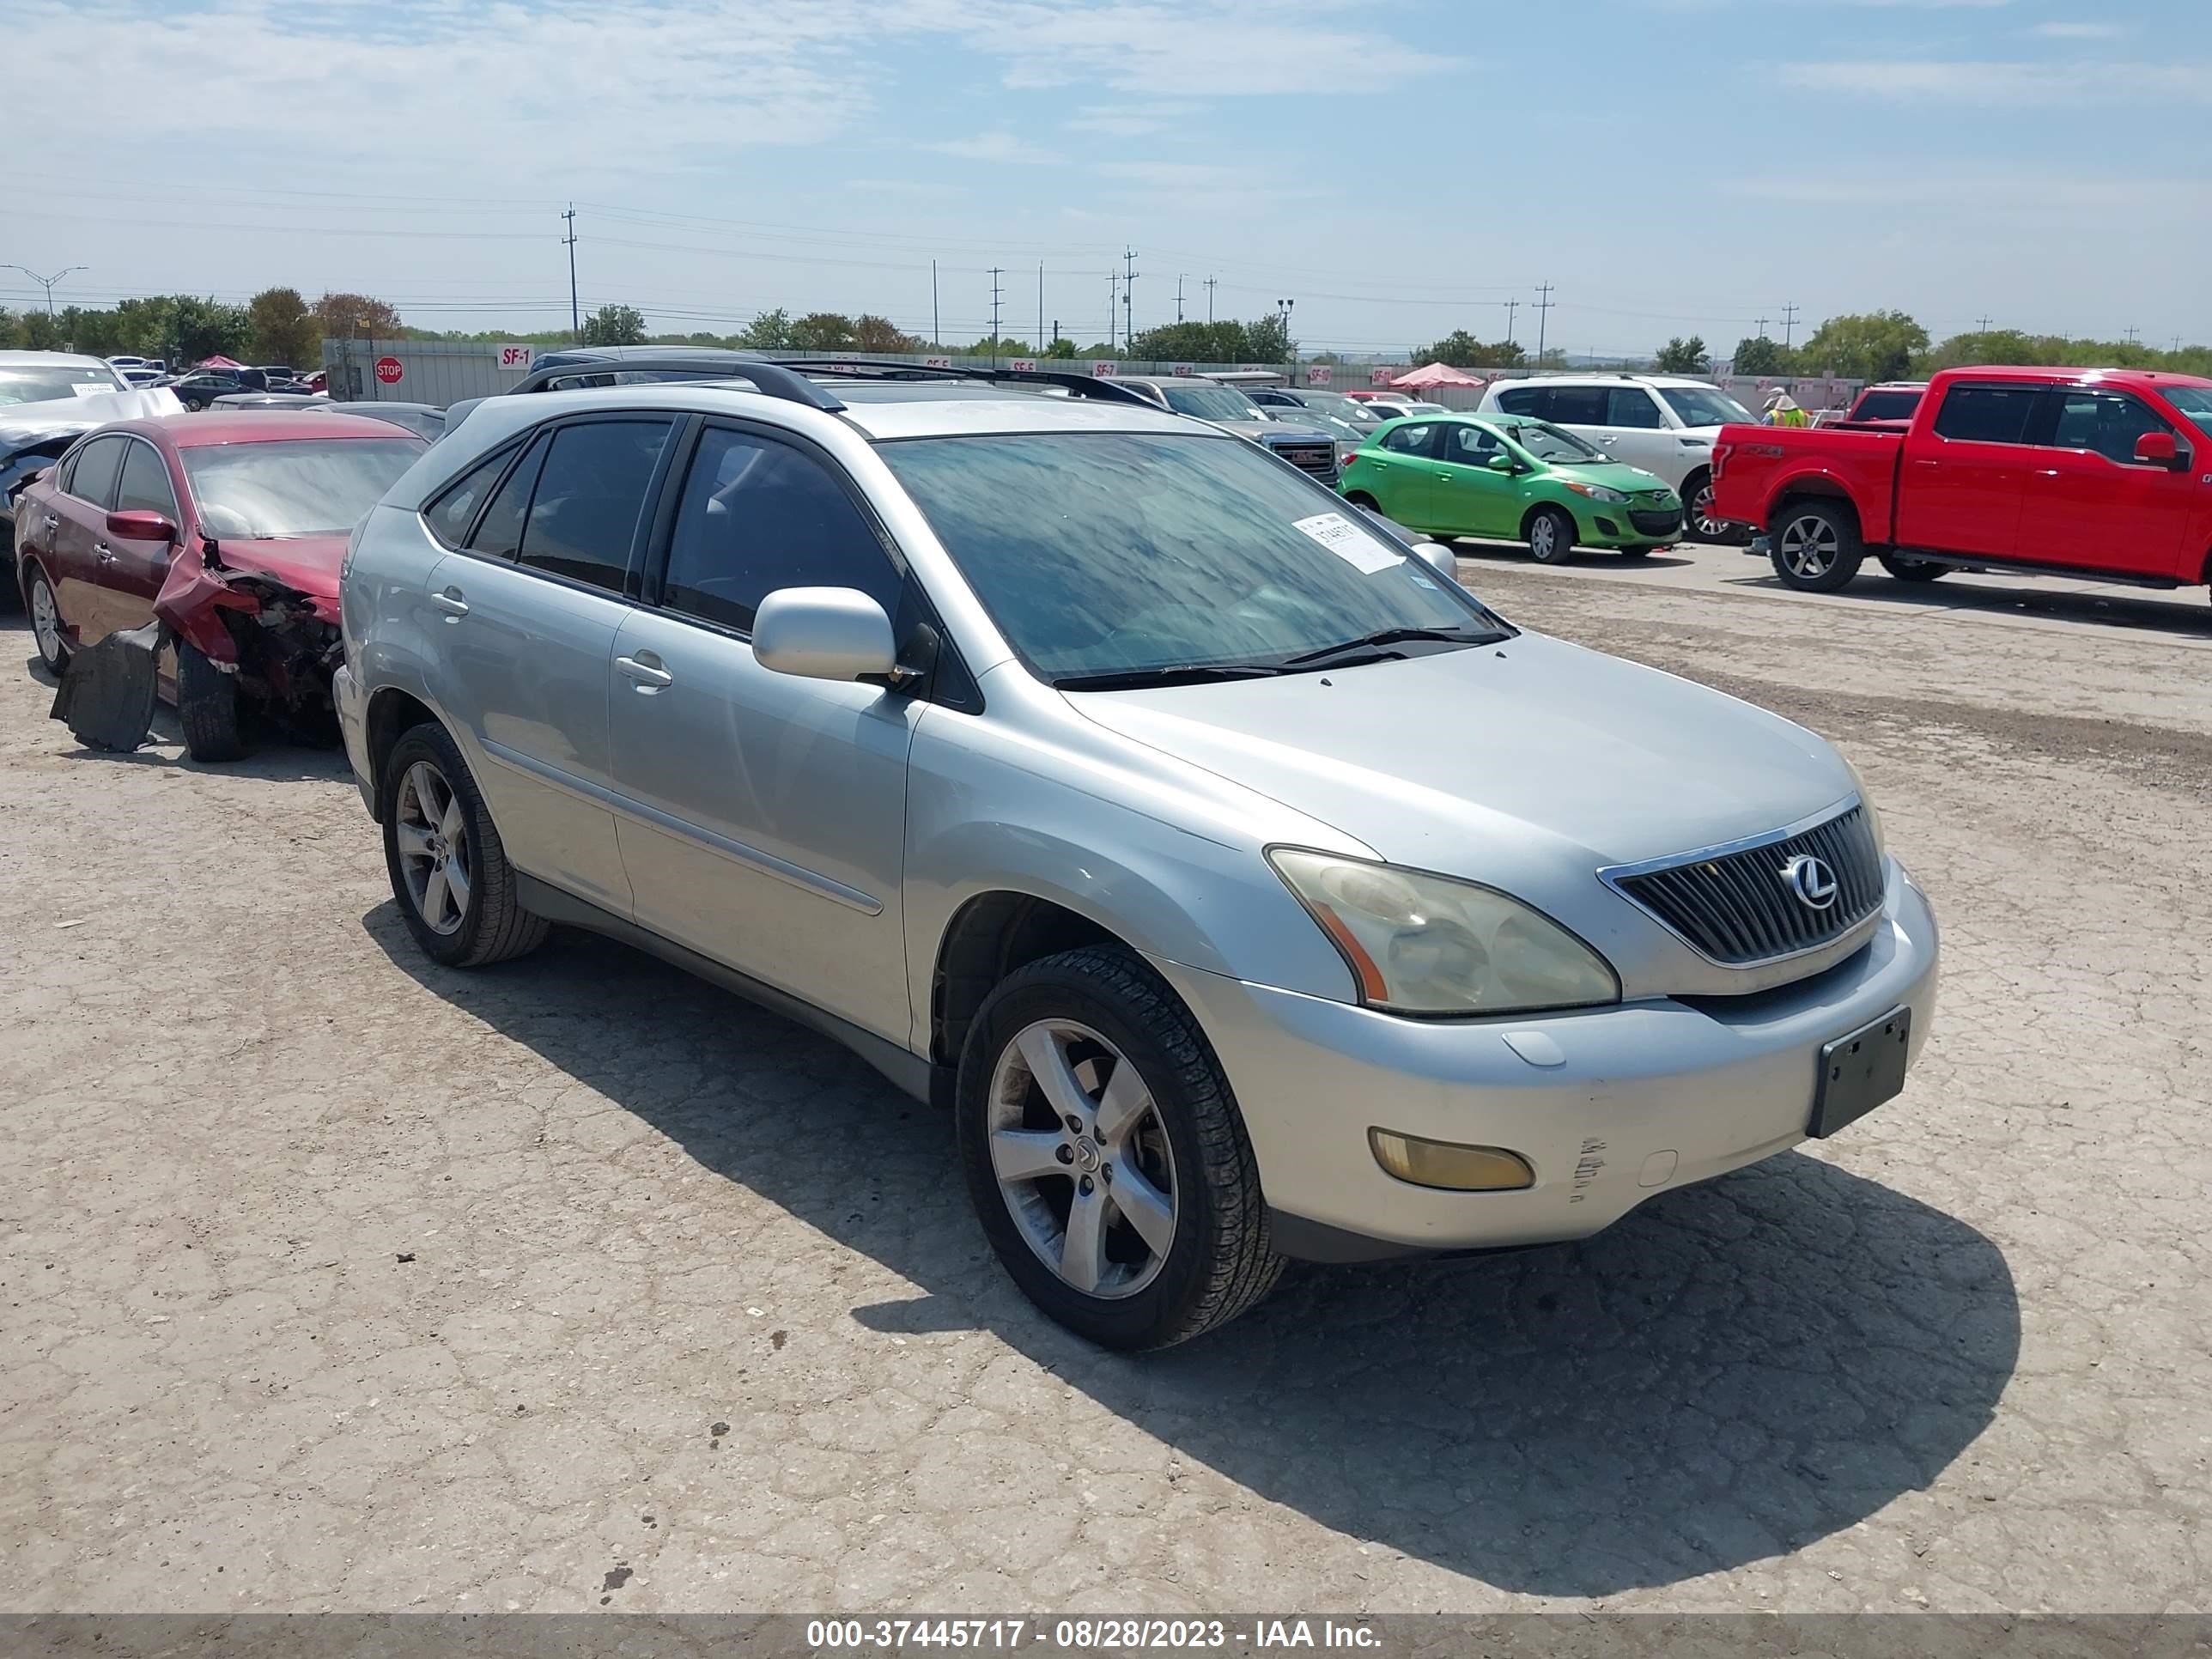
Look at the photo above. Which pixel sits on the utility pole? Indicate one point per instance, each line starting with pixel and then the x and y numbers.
pixel 1789 324
pixel 1982 324
pixel 1762 328
pixel 1040 307
pixel 1129 297
pixel 575 311
pixel 936 328
pixel 46 283
pixel 1512 306
pixel 1210 283
pixel 2131 335
pixel 1543 306
pixel 1113 298
pixel 997 272
pixel 1179 283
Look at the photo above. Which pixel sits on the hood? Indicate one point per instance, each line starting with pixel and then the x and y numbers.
pixel 1613 475
pixel 1492 762
pixel 1260 431
pixel 309 564
pixel 64 417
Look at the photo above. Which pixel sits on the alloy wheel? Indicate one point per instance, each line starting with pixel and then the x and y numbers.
pixel 1082 1158
pixel 45 619
pixel 433 834
pixel 1808 546
pixel 1544 537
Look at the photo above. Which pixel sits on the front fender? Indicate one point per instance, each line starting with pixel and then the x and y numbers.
pixel 193 597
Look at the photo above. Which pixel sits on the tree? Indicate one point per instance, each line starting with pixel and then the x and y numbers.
pixel 1061 350
pixel 1003 346
pixel 1222 342
pixel 822 331
pixel 769 332
pixel 1874 346
pixel 355 317
pixel 1681 357
pixel 200 329
pixel 283 328
pixel 1760 355
pixel 880 334
pixel 1270 341
pixel 1458 348
pixel 614 326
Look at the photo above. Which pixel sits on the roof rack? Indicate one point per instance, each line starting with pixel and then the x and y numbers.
pixel 770 378
pixel 1075 384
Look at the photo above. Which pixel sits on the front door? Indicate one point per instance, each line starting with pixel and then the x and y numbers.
pixel 136 569
pixel 764 816
pixel 1401 472
pixel 2089 502
pixel 1636 431
pixel 1961 485
pixel 1480 500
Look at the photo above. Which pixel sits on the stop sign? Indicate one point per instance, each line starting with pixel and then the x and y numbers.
pixel 388 370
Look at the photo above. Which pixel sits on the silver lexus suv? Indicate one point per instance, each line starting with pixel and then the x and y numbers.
pixel 1245 887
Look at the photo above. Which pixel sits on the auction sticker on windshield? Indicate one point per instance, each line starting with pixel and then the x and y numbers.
pixel 1348 542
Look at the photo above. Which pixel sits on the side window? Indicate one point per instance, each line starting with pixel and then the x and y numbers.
pixel 1987 414
pixel 1411 439
pixel 1470 446
pixel 1578 405
pixel 758 515
pixel 1631 405
pixel 93 480
pixel 1524 400
pixel 500 534
pixel 583 515
pixel 2108 422
pixel 144 486
pixel 450 516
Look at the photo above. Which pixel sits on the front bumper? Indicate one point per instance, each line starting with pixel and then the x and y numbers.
pixel 352 704
pixel 1606 523
pixel 1629 1101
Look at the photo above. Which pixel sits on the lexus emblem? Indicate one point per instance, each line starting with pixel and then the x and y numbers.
pixel 1811 880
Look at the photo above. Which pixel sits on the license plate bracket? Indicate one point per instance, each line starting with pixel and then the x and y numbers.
pixel 1860 1070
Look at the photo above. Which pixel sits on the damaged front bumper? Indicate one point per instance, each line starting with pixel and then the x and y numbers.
pixel 282 644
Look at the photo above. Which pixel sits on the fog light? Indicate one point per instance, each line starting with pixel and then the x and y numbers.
pixel 1455 1168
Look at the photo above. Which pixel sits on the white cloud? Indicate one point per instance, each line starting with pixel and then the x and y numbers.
pixel 1000 146
pixel 2005 83
pixel 2079 31
pixel 1125 120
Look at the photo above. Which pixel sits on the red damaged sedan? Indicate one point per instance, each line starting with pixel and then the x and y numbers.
pixel 229 531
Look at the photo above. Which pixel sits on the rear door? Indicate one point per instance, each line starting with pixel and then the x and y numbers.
pixel 80 538
pixel 2089 502
pixel 1963 478
pixel 1582 409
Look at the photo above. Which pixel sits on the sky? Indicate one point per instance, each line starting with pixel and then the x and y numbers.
pixel 1397 168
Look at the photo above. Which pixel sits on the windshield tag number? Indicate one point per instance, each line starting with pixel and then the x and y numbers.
pixel 1349 542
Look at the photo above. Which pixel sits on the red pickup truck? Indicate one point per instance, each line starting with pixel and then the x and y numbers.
pixel 2103 473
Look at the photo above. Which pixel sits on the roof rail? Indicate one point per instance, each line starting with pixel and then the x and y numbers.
pixel 769 379
pixel 1076 385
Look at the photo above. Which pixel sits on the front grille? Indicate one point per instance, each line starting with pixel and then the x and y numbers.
pixel 1739 908
pixel 1655 524
pixel 1320 460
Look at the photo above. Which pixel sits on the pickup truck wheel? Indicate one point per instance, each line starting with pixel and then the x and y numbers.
pixel 46 623
pixel 448 867
pixel 1105 1155
pixel 1551 536
pixel 207 707
pixel 1817 547
pixel 1912 570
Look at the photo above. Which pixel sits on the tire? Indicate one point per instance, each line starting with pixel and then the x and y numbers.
pixel 425 841
pixel 47 622
pixel 1816 547
pixel 1551 536
pixel 1698 522
pixel 1360 498
pixel 1912 570
pixel 207 707
pixel 1096 1011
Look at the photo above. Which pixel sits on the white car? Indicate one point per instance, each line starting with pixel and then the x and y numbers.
pixel 1665 423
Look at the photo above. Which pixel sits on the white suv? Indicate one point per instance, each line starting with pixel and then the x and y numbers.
pixel 1665 423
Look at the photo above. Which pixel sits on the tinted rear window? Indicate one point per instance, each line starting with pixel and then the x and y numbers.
pixel 1987 414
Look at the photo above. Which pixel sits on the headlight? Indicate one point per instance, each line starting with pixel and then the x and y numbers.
pixel 1421 944
pixel 1866 805
pixel 1595 492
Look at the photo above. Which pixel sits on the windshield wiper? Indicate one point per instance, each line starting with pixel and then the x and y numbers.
pixel 1387 637
pixel 1189 673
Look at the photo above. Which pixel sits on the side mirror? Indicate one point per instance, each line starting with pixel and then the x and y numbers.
pixel 1440 559
pixel 2157 449
pixel 824 634
pixel 136 526
pixel 1501 462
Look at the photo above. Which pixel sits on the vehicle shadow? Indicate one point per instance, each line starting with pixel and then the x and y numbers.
pixel 1732 1372
pixel 1514 553
pixel 2185 615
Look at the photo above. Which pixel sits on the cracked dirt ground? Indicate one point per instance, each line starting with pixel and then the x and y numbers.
pixel 330 1278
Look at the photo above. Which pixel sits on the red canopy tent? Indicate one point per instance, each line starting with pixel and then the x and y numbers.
pixel 1437 375
pixel 222 362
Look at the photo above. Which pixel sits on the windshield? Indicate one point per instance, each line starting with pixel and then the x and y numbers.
pixel 1344 409
pixel 1705 405
pixel 1213 402
pixel 304 487
pixel 1547 442
pixel 1103 553
pixel 45 383
pixel 2195 401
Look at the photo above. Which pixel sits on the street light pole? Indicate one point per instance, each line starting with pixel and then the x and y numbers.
pixel 46 283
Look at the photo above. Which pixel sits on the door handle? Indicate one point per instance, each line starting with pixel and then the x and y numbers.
pixel 644 668
pixel 103 552
pixel 451 602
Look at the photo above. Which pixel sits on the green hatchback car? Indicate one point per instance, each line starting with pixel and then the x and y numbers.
pixel 1511 477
